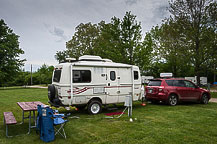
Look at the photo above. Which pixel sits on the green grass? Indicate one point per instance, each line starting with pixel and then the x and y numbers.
pixel 214 94
pixel 185 123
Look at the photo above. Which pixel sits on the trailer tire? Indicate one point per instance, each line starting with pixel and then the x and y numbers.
pixel 94 107
pixel 51 92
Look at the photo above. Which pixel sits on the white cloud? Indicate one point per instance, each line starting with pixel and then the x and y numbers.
pixel 131 2
pixel 57 32
pixel 45 26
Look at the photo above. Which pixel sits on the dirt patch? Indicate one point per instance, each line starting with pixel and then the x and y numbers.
pixel 213 100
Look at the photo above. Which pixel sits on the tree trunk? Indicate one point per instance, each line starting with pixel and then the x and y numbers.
pixel 214 73
pixel 197 60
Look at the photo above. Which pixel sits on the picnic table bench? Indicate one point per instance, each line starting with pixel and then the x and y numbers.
pixel 30 107
pixel 9 119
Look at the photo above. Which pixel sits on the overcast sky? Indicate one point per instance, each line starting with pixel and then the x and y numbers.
pixel 44 26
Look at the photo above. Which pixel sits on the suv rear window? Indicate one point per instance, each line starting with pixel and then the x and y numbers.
pixel 154 83
pixel 57 75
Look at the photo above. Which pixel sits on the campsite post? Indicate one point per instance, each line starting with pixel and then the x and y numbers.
pixel 71 85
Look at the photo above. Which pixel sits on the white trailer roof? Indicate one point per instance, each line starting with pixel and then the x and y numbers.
pixel 94 61
pixel 97 64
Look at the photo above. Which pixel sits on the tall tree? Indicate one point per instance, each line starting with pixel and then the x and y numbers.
pixel 169 48
pixel 120 40
pixel 109 43
pixel 9 54
pixel 193 18
pixel 143 55
pixel 131 36
pixel 45 74
pixel 83 40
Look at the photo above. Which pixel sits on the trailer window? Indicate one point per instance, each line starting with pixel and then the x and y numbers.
pixel 112 75
pixel 136 75
pixel 81 76
pixel 57 75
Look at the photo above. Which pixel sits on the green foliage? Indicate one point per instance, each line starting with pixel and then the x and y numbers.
pixel 61 56
pixel 9 54
pixel 196 27
pixel 185 43
pixel 131 37
pixel 109 44
pixel 214 94
pixel 42 76
pixel 83 40
pixel 144 55
pixel 119 40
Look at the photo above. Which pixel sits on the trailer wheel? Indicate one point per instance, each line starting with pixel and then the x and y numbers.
pixel 94 107
pixel 51 92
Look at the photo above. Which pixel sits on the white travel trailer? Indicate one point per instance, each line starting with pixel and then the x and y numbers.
pixel 92 81
pixel 203 80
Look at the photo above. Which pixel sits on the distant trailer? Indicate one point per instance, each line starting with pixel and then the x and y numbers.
pixel 146 79
pixel 203 80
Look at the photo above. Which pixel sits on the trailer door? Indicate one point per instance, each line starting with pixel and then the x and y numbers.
pixel 125 83
pixel 112 89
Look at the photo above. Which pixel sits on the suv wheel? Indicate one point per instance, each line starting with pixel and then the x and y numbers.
pixel 94 107
pixel 205 99
pixel 172 100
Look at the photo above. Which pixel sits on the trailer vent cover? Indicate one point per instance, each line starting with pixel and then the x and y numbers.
pixel 90 58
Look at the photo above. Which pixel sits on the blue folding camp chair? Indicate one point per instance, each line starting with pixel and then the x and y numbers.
pixel 50 123
pixel 45 123
pixel 59 124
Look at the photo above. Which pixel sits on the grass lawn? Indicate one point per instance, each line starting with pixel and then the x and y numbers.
pixel 214 94
pixel 185 123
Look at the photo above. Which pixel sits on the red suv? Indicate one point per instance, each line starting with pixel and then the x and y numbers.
pixel 173 90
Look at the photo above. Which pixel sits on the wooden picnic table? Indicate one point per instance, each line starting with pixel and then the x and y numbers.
pixel 29 107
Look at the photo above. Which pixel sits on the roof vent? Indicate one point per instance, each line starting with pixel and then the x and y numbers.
pixel 166 75
pixel 107 60
pixel 70 59
pixel 90 58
